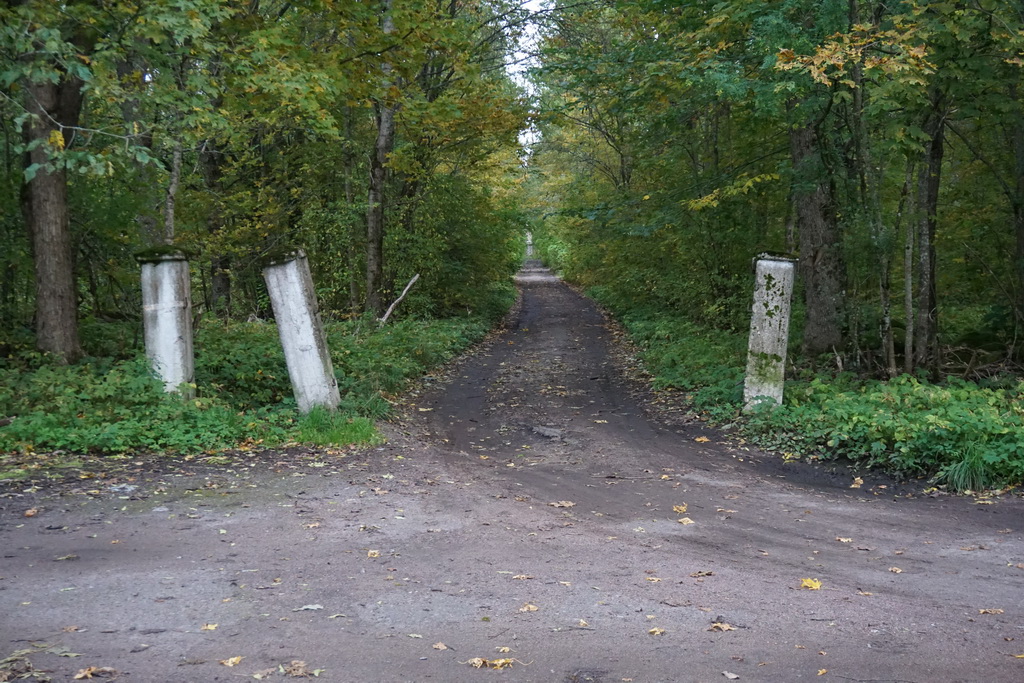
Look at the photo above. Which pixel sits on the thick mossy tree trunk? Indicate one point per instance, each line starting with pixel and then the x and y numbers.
pixel 45 206
pixel 821 265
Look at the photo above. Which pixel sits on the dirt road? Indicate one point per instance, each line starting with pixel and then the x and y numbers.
pixel 524 502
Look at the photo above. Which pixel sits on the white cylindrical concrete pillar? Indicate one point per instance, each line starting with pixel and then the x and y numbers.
pixel 167 319
pixel 293 299
pixel 769 331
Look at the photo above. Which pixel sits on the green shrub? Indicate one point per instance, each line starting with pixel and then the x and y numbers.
pixel 322 427
pixel 967 436
pixel 242 390
pixel 905 425
pixel 113 407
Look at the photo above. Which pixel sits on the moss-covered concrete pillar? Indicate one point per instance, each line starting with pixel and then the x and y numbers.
pixel 769 331
pixel 293 299
pixel 167 318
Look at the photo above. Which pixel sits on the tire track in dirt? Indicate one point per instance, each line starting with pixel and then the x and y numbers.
pixel 359 563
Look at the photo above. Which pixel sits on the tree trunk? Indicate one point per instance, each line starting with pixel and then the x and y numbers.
pixel 1018 209
pixel 45 207
pixel 171 195
pixel 926 348
pixel 384 120
pixel 821 251
pixel 211 162
pixel 908 283
pixel 353 227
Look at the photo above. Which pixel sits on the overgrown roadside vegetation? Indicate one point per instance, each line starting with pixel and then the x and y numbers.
pixel 964 435
pixel 243 395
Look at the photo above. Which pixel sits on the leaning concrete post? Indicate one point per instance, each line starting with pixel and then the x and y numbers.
pixel 302 334
pixel 769 331
pixel 167 318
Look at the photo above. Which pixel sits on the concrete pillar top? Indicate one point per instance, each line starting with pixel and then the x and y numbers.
pixel 769 256
pixel 160 255
pixel 281 256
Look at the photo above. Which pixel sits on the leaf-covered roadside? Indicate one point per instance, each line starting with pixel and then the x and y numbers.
pixel 243 393
pixel 967 435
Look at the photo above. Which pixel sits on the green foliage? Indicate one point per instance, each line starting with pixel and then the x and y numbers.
pixel 967 436
pixel 242 390
pixel 242 363
pixel 113 407
pixel 323 427
pixel 705 363
pixel 465 243
pixel 959 430
pixel 373 365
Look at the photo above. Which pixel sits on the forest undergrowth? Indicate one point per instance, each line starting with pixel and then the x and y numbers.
pixel 959 434
pixel 110 403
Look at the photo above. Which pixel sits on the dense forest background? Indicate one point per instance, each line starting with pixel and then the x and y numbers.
pixel 656 148
pixel 880 143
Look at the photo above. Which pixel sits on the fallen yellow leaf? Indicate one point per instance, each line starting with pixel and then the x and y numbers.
pixel 208 627
pixel 843 539
pixel 822 672
pixel 702 439
pixel 653 579
pixel 990 611
pixel 481 663
pixel 686 520
pixel 503 650
pixel 895 570
pixel 583 624
pixel 95 672
pixel 810 584
pixel 656 631
pixel 528 608
pixel 679 509
pixel 857 483
pixel 722 626
pixel 440 646
pixel 231 661
pixel 373 553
